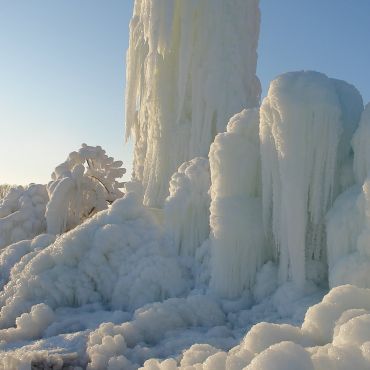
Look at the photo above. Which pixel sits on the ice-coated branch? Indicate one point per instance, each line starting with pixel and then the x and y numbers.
pixel 86 183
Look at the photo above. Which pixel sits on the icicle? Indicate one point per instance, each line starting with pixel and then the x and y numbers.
pixel 186 76
pixel 236 209
pixel 187 208
pixel 361 147
pixel 306 124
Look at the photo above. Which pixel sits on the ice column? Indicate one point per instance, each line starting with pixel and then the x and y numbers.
pixel 237 236
pixel 348 222
pixel 191 65
pixel 361 147
pixel 186 210
pixel 307 121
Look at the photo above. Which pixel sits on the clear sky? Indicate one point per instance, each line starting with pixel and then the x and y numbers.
pixel 62 71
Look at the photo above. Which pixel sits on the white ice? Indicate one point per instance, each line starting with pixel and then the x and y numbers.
pixel 186 210
pixel 22 214
pixel 237 238
pixel 186 76
pixel 86 183
pixel 231 270
pixel 307 122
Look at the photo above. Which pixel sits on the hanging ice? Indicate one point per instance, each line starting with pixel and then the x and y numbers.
pixel 22 214
pixel 361 147
pixel 348 222
pixel 307 122
pixel 236 217
pixel 190 66
pixel 187 208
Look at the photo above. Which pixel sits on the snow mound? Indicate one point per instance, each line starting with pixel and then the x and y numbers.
pixel 178 58
pixel 116 258
pixel 307 122
pixel 335 335
pixel 14 257
pixel 22 214
pixel 152 323
pixel 29 325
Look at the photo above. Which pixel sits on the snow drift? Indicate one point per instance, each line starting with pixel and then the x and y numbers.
pixel 334 335
pixel 115 258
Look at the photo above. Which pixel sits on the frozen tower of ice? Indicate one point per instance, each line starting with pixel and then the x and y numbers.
pixel 307 122
pixel 236 218
pixel 190 66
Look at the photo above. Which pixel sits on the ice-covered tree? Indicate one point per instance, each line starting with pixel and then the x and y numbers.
pixel 22 213
pixel 4 190
pixel 86 183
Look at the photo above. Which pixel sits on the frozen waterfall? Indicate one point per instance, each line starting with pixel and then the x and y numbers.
pixel 187 74
pixel 307 122
pixel 236 208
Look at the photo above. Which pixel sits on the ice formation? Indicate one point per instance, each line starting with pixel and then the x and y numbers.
pixel 361 148
pixel 82 185
pixel 186 210
pixel 111 344
pixel 186 76
pixel 22 214
pixel 349 219
pixel 14 257
pixel 116 257
pixel 228 275
pixel 237 249
pixel 4 190
pixel 307 122
pixel 334 335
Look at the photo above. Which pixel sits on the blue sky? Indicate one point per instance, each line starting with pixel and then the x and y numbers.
pixel 62 71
